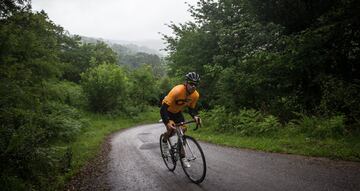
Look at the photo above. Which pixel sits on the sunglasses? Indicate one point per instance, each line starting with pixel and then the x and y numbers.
pixel 193 84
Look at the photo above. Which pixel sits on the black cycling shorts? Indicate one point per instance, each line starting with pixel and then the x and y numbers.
pixel 176 117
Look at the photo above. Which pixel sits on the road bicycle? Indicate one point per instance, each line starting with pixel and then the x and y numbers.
pixel 193 153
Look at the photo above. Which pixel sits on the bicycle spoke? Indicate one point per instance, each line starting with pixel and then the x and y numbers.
pixel 188 147
pixel 168 160
pixel 194 155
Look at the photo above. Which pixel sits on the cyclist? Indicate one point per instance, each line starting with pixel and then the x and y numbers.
pixel 181 96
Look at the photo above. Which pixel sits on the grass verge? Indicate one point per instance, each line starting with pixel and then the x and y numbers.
pixel 285 141
pixel 87 143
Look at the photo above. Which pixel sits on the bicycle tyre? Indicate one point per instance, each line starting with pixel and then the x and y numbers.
pixel 170 162
pixel 195 175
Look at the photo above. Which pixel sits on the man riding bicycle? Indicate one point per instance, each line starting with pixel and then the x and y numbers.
pixel 174 103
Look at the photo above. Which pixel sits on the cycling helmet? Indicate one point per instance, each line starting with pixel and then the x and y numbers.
pixel 192 77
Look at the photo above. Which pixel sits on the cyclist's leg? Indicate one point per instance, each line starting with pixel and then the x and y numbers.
pixel 165 147
pixel 183 159
pixel 178 118
pixel 169 131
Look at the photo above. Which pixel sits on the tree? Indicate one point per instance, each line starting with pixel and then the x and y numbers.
pixel 30 45
pixel 79 57
pixel 274 56
pixel 143 87
pixel 105 87
pixel 294 15
pixel 9 7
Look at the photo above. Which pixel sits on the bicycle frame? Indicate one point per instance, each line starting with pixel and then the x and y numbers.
pixel 180 141
pixel 185 146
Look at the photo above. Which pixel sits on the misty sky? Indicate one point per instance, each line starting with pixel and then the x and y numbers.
pixel 131 20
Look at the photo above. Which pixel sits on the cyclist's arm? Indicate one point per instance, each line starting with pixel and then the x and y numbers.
pixel 192 106
pixel 164 113
pixel 193 112
pixel 195 115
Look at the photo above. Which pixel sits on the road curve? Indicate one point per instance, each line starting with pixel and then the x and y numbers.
pixel 136 164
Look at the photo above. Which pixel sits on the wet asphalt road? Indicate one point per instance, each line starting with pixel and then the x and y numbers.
pixel 136 164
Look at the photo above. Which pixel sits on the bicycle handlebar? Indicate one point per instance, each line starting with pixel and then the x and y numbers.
pixel 187 122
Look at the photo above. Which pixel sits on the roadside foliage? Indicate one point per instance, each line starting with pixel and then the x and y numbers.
pixel 49 79
pixel 279 58
pixel 269 69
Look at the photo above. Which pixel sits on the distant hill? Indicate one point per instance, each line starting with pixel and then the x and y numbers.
pixel 154 45
pixel 131 47
pixel 133 56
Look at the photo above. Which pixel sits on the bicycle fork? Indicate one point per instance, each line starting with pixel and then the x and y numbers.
pixel 185 144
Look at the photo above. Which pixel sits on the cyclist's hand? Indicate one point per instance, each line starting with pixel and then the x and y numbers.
pixel 171 124
pixel 198 120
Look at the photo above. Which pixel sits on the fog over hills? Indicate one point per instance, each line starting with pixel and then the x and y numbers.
pixel 151 46
pixel 133 55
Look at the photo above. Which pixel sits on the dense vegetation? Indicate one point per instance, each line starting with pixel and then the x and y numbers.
pixel 49 79
pixel 270 69
pixel 274 61
pixel 132 56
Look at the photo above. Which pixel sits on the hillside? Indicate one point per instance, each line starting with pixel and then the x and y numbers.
pixel 133 56
pixel 130 47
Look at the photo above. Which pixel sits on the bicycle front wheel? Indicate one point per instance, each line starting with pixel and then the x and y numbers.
pixel 195 156
pixel 169 161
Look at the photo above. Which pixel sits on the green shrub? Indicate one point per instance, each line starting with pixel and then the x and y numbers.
pixel 105 87
pixel 320 127
pixel 143 87
pixel 253 123
pixel 214 118
pixel 269 125
pixel 61 121
pixel 247 122
pixel 66 92
pixel 339 96
pixel 26 136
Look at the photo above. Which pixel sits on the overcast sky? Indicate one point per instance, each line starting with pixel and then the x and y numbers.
pixel 132 20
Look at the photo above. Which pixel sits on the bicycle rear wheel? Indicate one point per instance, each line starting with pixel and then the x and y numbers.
pixel 169 161
pixel 194 154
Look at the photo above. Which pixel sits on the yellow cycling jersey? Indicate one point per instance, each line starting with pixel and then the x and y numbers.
pixel 177 99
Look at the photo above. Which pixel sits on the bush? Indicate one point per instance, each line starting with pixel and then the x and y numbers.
pixel 214 118
pixel 246 122
pixel 143 87
pixel 61 121
pixel 253 123
pixel 67 92
pixel 341 97
pixel 319 127
pixel 104 87
pixel 26 136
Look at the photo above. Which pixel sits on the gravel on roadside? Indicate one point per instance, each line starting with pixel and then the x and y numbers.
pixel 93 176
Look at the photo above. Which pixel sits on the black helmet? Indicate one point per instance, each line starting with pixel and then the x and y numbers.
pixel 192 77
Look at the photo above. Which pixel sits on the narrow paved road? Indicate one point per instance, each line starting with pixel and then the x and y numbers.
pixel 136 164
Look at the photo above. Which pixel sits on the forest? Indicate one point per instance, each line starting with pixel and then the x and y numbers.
pixel 289 60
pixel 269 68
pixel 50 80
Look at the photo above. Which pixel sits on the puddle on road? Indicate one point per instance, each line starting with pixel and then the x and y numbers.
pixel 145 137
pixel 149 146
